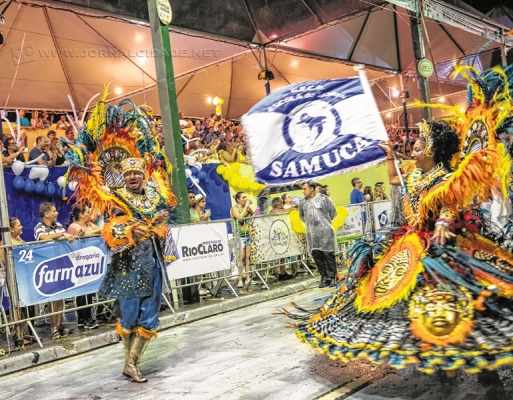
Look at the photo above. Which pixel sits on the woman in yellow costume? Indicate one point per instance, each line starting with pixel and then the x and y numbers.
pixel 434 294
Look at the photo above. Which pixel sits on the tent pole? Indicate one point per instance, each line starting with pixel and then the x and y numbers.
pixel 504 53
pixel 419 49
pixel 9 261
pixel 267 84
pixel 169 110
pixel 404 98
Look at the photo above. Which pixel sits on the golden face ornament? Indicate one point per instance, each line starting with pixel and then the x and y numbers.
pixel 393 277
pixel 441 316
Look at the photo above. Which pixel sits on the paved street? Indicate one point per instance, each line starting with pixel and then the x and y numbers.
pixel 247 354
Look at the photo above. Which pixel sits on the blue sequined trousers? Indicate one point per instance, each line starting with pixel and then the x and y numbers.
pixel 134 279
pixel 143 311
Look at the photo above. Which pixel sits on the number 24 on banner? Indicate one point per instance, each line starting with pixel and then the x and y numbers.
pixel 26 256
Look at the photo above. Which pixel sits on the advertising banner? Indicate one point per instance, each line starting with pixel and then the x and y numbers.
pixel 202 249
pixel 355 219
pixel 272 238
pixel 382 211
pixel 58 270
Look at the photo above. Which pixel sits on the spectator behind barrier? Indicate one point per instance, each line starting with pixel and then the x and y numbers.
pixel 11 152
pixel 81 226
pixel 62 123
pixel 277 206
pixel 198 211
pixel 379 192
pixel 50 229
pixel 288 201
pixel 356 196
pixel 40 152
pixel 24 121
pixel 367 194
pixel 55 150
pixel 16 229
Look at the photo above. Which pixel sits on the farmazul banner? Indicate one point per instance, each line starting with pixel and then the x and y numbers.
pixel 313 129
pixel 58 270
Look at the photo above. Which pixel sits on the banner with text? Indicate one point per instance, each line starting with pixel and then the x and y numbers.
pixel 312 129
pixel 58 270
pixel 202 249
pixel 272 238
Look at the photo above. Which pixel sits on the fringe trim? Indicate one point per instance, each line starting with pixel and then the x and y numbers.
pixel 427 362
pixel 121 331
pixel 147 334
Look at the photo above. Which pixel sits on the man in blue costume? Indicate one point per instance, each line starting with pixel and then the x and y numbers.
pixel 135 233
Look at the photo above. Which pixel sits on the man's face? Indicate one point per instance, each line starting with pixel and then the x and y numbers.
pixel 134 181
pixel 190 197
pixel 308 191
pixel 70 135
pixel 358 184
pixel 51 215
pixel 45 143
pixel 379 188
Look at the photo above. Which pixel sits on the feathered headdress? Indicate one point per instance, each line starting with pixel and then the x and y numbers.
pixel 483 163
pixel 114 133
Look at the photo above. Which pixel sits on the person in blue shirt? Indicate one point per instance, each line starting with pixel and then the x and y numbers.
pixel 356 193
pixel 24 121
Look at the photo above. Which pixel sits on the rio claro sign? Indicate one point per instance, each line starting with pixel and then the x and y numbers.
pixel 201 249
pixel 58 270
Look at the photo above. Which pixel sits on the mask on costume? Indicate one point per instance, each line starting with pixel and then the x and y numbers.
pixel 440 316
pixel 476 137
pixel 393 277
pixel 132 165
pixel 110 161
pixel 392 273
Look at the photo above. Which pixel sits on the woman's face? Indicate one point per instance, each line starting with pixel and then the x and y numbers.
pixel 202 204
pixel 418 151
pixel 17 228
pixel 243 199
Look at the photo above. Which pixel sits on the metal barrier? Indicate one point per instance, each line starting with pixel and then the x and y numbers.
pixel 260 268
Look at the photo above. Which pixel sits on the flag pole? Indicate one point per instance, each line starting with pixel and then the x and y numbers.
pixel 367 89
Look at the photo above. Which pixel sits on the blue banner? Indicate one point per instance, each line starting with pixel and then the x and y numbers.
pixel 313 129
pixel 59 270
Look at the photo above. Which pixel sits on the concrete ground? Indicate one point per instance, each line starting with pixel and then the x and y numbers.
pixel 250 354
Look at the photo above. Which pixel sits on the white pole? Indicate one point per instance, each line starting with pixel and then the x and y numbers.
pixel 372 101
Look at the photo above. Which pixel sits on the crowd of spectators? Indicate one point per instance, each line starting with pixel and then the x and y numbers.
pixel 365 194
pixel 210 139
pixel 213 139
pixel 48 149
pixel 402 139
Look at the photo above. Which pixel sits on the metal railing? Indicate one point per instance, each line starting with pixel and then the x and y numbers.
pixel 261 272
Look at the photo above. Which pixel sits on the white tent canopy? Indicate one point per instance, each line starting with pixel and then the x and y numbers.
pixel 51 51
